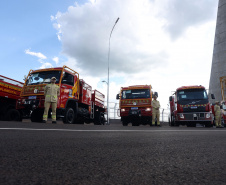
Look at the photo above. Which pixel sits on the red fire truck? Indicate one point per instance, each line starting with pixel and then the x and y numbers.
pixel 190 105
pixel 135 105
pixel 223 103
pixel 77 102
pixel 9 93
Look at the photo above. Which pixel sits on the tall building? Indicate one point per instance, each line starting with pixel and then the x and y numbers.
pixel 219 52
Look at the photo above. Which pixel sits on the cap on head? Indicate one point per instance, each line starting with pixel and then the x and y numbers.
pixel 53 78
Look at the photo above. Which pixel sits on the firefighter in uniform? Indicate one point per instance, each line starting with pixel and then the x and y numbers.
pixel 51 93
pixel 217 112
pixel 155 110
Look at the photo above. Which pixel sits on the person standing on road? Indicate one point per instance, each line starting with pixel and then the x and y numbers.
pixel 51 93
pixel 155 111
pixel 217 112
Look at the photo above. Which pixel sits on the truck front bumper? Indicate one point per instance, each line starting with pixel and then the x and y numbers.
pixel 195 116
pixel 135 113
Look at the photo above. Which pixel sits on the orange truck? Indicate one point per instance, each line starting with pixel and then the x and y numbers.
pixel 77 103
pixel 9 93
pixel 135 104
pixel 190 105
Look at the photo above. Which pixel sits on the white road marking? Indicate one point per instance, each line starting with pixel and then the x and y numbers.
pixel 72 130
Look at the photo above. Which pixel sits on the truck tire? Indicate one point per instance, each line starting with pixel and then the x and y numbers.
pixel 102 118
pixel 177 123
pixel 208 124
pixel 222 122
pixel 69 116
pixel 37 115
pixel 99 118
pixel 172 123
pixel 13 115
pixel 124 123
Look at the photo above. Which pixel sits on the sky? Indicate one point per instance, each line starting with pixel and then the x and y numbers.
pixel 165 43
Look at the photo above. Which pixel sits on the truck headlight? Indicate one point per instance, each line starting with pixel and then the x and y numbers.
pixel 148 109
pixel 123 110
pixel 36 91
pixel 208 115
pixel 181 116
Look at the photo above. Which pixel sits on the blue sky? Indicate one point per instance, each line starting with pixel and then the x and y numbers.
pixel 165 43
pixel 26 24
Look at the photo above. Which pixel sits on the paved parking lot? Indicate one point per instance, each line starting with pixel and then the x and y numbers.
pixel 36 153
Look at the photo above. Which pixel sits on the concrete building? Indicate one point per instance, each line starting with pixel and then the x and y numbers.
pixel 219 52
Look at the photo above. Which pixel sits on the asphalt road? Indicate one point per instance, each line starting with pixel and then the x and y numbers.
pixel 37 153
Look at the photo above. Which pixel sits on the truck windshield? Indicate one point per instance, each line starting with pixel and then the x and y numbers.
pixel 136 94
pixel 43 77
pixel 192 94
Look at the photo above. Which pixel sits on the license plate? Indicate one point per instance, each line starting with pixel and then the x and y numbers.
pixel 32 97
pixel 193 107
pixel 134 108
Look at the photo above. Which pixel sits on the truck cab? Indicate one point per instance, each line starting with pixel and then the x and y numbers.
pixel 135 105
pixel 9 94
pixel 75 103
pixel 190 105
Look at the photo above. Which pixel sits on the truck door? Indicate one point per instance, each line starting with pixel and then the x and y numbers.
pixel 67 85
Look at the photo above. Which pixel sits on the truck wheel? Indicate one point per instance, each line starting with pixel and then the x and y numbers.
pixel 172 123
pixel 69 116
pixel 208 124
pixel 222 122
pixel 124 123
pixel 177 123
pixel 99 118
pixel 13 115
pixel 37 115
pixel 102 118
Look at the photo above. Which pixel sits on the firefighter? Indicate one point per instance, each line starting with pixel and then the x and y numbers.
pixel 155 111
pixel 217 112
pixel 51 93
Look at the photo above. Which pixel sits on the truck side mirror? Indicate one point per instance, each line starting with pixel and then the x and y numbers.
pixel 25 77
pixel 170 98
pixel 156 94
pixel 117 97
pixel 212 96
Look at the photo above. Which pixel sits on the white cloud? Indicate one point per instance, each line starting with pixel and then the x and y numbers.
pixel 39 55
pixel 56 60
pixel 165 43
pixel 58 27
pixel 181 14
pixel 45 65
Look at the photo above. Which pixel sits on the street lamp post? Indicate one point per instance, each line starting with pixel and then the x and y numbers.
pixel 108 73
pixel 107 108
